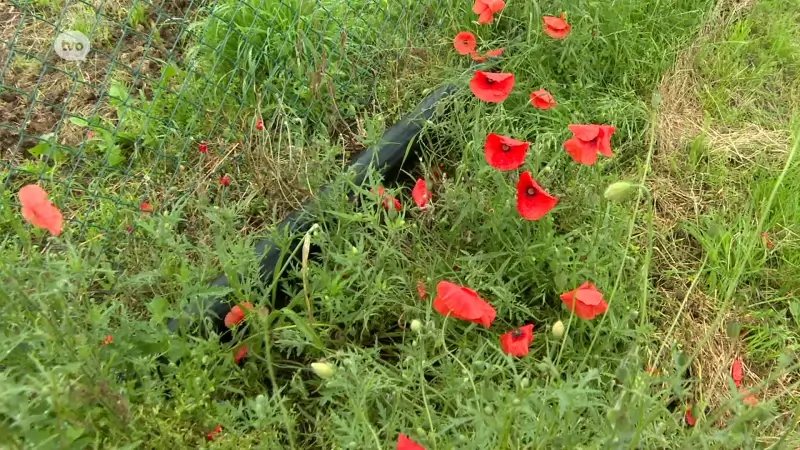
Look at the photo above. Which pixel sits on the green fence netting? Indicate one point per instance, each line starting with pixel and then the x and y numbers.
pixel 175 98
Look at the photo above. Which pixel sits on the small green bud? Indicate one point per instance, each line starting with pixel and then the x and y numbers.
pixel 558 329
pixel 620 191
pixel 416 325
pixel 323 370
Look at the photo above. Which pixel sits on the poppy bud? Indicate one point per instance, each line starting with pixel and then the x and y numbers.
pixel 558 329
pixel 323 370
pixel 619 191
pixel 416 325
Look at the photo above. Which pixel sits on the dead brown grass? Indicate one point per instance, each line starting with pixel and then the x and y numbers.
pixel 680 197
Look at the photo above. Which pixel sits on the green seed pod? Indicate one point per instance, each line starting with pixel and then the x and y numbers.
pixel 620 191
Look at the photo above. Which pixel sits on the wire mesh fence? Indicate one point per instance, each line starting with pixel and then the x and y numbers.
pixel 120 108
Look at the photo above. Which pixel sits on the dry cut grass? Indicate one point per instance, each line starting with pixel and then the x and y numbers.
pixel 682 197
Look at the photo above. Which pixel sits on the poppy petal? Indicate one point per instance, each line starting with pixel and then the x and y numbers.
pixel 32 195
pixel 477 57
pixel 486 17
pixel 464 43
pixel 585 301
pixel 584 311
pixel 241 353
pixel 463 303
pixel 585 132
pixel 604 140
pixel 737 372
pixel 556 27
pixel 582 152
pixel 405 443
pixel 492 87
pixel 421 194
pixel 496 5
pixel 542 99
pixel 505 153
pixel 556 23
pixel 479 7
pixel 533 202
pixel 38 211
pixel 495 53
pixel 517 342
pixel 589 296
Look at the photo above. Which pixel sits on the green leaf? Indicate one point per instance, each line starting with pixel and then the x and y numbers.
pixel 560 281
pixel 118 93
pixel 794 308
pixel 304 327
pixel 114 155
pixel 42 148
pixel 159 309
pixel 169 72
pixel 79 121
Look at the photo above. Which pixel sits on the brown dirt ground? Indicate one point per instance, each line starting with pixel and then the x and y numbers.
pixel 39 92
pixel 681 119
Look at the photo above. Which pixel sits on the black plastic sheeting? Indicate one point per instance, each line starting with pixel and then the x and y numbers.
pixel 394 153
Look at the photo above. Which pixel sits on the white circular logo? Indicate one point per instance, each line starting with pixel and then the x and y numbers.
pixel 72 46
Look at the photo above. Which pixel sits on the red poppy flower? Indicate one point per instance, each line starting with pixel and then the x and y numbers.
pixel 750 399
pixel 109 339
pixel 490 54
pixel 145 207
pixel 492 87
pixel 225 180
pixel 486 9
pixel 504 153
pixel 516 343
pixel 587 141
pixel 421 194
pixel 215 431
pixel 38 211
pixel 203 147
pixel 690 420
pixel 389 201
pixel 465 43
pixel 767 240
pixel 260 125
pixel 422 290
pixel 556 27
pixel 533 202
pixel 463 303
pixel 240 354
pixel 495 53
pixel 543 99
pixel 236 314
pixel 585 301
pixel 737 372
pixel 405 443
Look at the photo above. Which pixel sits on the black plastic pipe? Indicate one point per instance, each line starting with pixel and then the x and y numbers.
pixel 396 151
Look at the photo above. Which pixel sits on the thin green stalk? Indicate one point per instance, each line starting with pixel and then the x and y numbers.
pixel 274 380
pixel 631 225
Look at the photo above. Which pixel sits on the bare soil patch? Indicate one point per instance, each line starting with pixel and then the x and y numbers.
pixel 39 92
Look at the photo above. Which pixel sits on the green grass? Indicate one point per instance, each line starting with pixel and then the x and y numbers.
pixel 674 286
